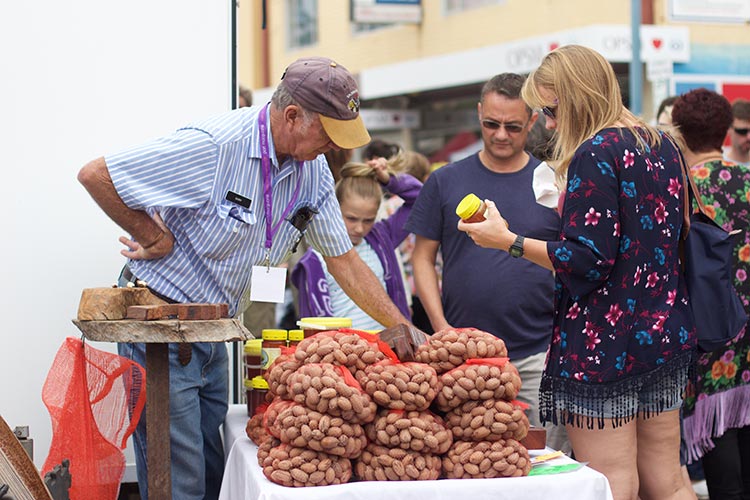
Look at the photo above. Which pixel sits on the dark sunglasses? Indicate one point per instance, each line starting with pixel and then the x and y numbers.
pixel 550 111
pixel 741 131
pixel 511 128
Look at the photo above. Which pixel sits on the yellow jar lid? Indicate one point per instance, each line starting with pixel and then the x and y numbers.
pixel 273 334
pixel 254 346
pixel 468 206
pixel 296 335
pixel 259 383
pixel 326 322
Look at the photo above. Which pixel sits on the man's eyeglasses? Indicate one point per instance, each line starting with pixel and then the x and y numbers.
pixel 511 128
pixel 741 131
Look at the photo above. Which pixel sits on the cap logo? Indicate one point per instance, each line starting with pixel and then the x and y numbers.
pixel 353 103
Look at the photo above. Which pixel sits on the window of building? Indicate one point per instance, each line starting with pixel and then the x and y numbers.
pixel 456 6
pixel 303 22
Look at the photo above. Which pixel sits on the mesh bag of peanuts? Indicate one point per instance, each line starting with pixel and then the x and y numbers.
pixel 353 349
pixel 291 466
pixel 400 386
pixel 472 460
pixel 450 348
pixel 278 374
pixel 255 429
pixel 488 420
pixel 420 431
pixel 333 390
pixel 378 463
pixel 302 427
pixel 271 414
pixel 477 380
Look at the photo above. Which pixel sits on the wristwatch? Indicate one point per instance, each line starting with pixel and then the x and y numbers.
pixel 516 249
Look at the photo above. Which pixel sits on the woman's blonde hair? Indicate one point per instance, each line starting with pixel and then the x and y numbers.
pixel 359 178
pixel 589 100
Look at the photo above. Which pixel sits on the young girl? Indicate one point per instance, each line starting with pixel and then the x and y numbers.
pixel 359 192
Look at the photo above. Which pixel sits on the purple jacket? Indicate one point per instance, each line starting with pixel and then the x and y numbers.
pixel 385 237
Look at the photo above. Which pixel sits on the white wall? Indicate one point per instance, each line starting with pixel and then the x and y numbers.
pixel 78 80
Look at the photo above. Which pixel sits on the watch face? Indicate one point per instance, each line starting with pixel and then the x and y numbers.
pixel 516 249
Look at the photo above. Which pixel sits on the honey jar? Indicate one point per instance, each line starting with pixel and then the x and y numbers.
pixel 471 208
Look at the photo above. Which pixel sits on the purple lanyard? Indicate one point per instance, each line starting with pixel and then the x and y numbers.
pixel 267 194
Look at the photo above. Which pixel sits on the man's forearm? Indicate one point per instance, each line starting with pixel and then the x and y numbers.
pixel 361 285
pixel 95 177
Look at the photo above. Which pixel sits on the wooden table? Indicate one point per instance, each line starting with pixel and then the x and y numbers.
pixel 157 335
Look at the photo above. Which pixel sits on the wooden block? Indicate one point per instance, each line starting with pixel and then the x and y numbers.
pixel 536 439
pixel 224 310
pixel 149 313
pixel 193 311
pixel 99 304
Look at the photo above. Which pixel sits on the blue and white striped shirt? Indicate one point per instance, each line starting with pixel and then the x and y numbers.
pixel 186 176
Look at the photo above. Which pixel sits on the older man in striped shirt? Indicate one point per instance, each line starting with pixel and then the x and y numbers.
pixel 217 197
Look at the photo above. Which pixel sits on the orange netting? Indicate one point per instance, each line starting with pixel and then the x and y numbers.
pixel 94 399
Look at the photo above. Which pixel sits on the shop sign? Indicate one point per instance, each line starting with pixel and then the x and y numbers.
pixel 387 119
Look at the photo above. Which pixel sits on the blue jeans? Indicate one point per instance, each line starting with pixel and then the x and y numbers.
pixel 198 399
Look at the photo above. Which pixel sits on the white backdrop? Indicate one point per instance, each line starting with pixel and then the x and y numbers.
pixel 80 79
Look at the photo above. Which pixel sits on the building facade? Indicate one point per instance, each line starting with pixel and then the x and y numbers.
pixel 420 77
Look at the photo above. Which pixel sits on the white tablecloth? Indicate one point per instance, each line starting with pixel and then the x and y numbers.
pixel 244 480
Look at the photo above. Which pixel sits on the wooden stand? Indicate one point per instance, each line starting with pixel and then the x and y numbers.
pixel 157 334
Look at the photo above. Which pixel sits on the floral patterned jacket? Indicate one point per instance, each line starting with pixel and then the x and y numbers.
pixel 718 396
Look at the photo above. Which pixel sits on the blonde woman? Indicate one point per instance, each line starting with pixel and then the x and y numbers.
pixel 623 334
pixel 359 192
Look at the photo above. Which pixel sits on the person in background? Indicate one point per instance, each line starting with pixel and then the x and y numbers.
pixel 359 193
pixel 664 113
pixel 739 134
pixel 418 166
pixel 518 307
pixel 623 332
pixel 245 97
pixel 717 402
pixel 337 159
pixel 378 148
pixel 210 202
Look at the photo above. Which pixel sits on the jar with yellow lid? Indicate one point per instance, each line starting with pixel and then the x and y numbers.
pixel 273 341
pixel 471 208
pixel 253 352
pixel 255 393
pixel 311 326
pixel 295 337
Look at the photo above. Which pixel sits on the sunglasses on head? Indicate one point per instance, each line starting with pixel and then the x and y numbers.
pixel 511 128
pixel 741 131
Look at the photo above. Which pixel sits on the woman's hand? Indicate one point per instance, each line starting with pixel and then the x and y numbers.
pixel 162 246
pixel 491 233
pixel 380 166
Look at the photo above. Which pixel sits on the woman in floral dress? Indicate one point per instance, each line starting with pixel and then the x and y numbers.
pixel 623 334
pixel 717 402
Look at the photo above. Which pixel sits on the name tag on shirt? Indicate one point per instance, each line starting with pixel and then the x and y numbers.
pixel 267 284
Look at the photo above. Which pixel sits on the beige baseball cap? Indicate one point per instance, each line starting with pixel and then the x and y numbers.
pixel 325 87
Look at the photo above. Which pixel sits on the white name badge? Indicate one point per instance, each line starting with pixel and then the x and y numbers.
pixel 267 284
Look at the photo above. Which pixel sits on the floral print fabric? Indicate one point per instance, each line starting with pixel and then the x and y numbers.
pixel 718 395
pixel 622 324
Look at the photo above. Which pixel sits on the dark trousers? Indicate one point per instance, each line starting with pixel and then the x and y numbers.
pixel 727 466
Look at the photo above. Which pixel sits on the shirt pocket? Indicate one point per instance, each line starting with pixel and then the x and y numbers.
pixel 225 230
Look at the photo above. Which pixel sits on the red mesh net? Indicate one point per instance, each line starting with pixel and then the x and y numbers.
pixel 94 399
